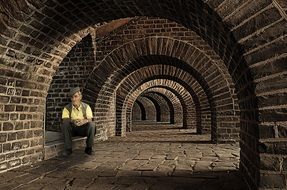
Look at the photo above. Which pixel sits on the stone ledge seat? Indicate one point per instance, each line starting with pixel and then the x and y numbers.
pixel 54 144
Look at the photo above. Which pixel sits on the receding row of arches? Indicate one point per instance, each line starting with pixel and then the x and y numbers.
pixel 164 110
pixel 155 80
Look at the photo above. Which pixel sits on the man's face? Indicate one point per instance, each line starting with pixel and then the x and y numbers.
pixel 76 99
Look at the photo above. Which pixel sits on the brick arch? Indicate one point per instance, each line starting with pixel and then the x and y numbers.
pixel 160 105
pixel 121 56
pixel 153 46
pixel 50 16
pixel 172 89
pixel 148 26
pixel 71 73
pixel 174 100
pixel 218 89
pixel 166 112
pixel 200 99
pixel 53 25
pixel 167 107
pixel 142 110
pixel 137 116
pixel 117 55
pixel 153 107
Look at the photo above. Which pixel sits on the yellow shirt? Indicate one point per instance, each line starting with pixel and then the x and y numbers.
pixel 77 113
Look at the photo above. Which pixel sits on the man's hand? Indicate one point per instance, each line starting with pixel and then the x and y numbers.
pixel 80 122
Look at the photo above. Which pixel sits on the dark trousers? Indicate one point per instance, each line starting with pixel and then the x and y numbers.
pixel 70 130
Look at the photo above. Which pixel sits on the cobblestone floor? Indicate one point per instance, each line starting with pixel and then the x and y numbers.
pixel 167 159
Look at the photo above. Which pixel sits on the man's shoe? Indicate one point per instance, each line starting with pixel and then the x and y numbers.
pixel 89 151
pixel 67 152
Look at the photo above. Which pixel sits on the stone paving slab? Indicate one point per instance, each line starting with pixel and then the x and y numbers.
pixel 202 166
pixel 165 159
pixel 152 164
pixel 165 170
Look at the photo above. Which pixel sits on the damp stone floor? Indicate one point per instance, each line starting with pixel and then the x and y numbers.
pixel 154 158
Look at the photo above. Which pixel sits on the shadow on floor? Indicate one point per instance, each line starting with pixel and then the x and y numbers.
pixel 82 172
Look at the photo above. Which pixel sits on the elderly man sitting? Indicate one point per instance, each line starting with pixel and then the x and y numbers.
pixel 77 120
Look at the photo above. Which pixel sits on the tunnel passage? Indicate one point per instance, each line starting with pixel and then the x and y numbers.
pixel 153 109
pixel 180 97
pixel 164 114
pixel 37 35
pixel 225 112
pixel 173 109
pixel 139 111
pixel 167 113
pixel 174 101
pixel 140 77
